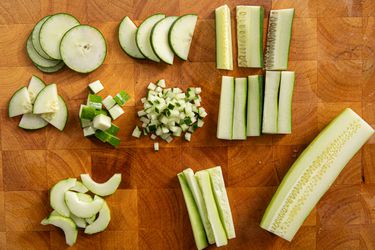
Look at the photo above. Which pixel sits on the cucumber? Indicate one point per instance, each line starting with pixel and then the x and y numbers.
pixel 254 105
pixel 270 106
pixel 35 38
pixel 83 48
pixel 80 222
pixel 47 100
pixel 67 225
pixel 126 36
pixel 53 30
pixel 59 118
pixel 160 40
pixel 57 195
pixel 102 189
pixel 32 122
pixel 38 59
pixel 90 220
pixel 250 36
pixel 314 172
pixel 195 219
pixel 20 103
pixel 102 222
pixel 143 36
pixel 239 110
pixel 35 86
pixel 54 69
pixel 225 120
pixel 278 39
pixel 181 35
pixel 224 53
pixel 79 187
pixel 82 209
pixel 284 124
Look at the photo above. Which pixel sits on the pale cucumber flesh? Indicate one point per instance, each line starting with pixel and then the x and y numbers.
pixel 284 124
pixel 38 59
pixel 47 100
pixel 270 106
pixel 57 196
pixel 20 103
pixel 67 225
pixel 127 31
pixel 102 189
pixel 51 69
pixel 239 110
pixel 31 121
pixel 102 222
pixel 81 208
pixel 35 86
pixel 35 38
pixel 59 118
pixel 224 54
pixel 254 105
pixel 225 120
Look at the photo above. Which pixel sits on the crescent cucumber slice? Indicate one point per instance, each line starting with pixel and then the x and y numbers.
pixel 32 122
pixel 54 69
pixel 47 100
pixel 35 86
pixel 102 222
pixel 284 123
pixel 254 105
pixel 225 120
pixel 20 103
pixel 81 208
pixel 79 187
pixel 224 53
pixel 59 118
pixel 271 97
pixel 102 189
pixel 126 36
pixel 35 38
pixel 57 195
pixel 65 224
pixel 239 110
pixel 38 59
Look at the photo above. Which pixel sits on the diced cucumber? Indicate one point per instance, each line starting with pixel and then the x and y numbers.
pixel 126 35
pixel 239 110
pixel 270 106
pixel 94 101
pixel 113 130
pixel 20 103
pixel 54 69
pixel 102 222
pixel 85 123
pixel 60 117
pixel 254 105
pixel 225 120
pixel 83 48
pixel 102 135
pixel 108 102
pixel 81 208
pixel 101 112
pixel 102 189
pixel 121 98
pixel 102 122
pixel 31 122
pixel 86 112
pixel 188 136
pixel 181 35
pixel 116 111
pixel 250 36
pixel 96 86
pixel 52 32
pixel 314 172
pixel 79 187
pixel 278 39
pixel 284 124
pixel 38 59
pixel 89 131
pixel 35 86
pixel 156 146
pixel 195 219
pixel 57 195
pixel 143 36
pixel 224 54
pixel 35 38
pixel 67 225
pixel 47 100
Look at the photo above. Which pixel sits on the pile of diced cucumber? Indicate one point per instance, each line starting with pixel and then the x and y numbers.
pixel 158 38
pixel 74 208
pixel 169 112
pixel 60 39
pixel 40 105
pixel 95 120
pixel 208 206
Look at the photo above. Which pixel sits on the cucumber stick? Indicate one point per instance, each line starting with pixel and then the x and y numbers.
pixel 239 110
pixel 278 39
pixel 224 54
pixel 254 105
pixel 250 36
pixel 284 124
pixel 314 172
pixel 126 36
pixel 225 119
pixel 270 106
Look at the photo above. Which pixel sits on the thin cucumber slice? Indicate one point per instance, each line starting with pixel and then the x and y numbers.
pixel 79 187
pixel 47 100
pixel 250 36
pixel 143 36
pixel 239 110
pixel 35 38
pixel 284 124
pixel 67 225
pixel 90 220
pixel 270 106
pixel 60 117
pixel 278 39
pixel 32 122
pixel 35 86
pixel 126 36
pixel 224 53
pixel 83 48
pixel 57 195
pixel 225 120
pixel 181 35
pixel 20 103
pixel 38 59
pixel 102 189
pixel 195 219
pixel 53 30
pixel 160 40
pixel 314 172
pixel 80 222
pixel 102 222
pixel 51 69
pixel 81 208
pixel 254 105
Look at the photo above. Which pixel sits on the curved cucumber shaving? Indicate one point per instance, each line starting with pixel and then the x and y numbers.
pixel 225 120
pixel 160 41
pixel 102 189
pixel 239 110
pixel 284 124
pixel 59 118
pixel 270 107
pixel 79 187
pixel 38 59
pixel 81 208
pixel 51 69
pixel 35 38
pixel 224 54
pixel 67 225
pixel 47 100
pixel 57 196
pixel 254 105
pixel 80 222
pixel 20 103
pixel 32 122
pixel 35 86
pixel 181 35
pixel 102 222
pixel 314 172
pixel 126 35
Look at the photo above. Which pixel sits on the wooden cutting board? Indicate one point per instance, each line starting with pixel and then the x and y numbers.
pixel 333 54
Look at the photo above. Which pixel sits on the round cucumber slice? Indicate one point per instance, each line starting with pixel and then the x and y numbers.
pixel 81 208
pixel 83 48
pixel 102 222
pixel 80 188
pixel 32 122
pixel 47 100
pixel 20 103
pixel 38 59
pixel 57 195
pixel 60 117
pixel 126 37
pixel 35 38
pixel 160 41
pixel 102 189
pixel 54 69
pixel 143 35
pixel 35 86
pixel 67 225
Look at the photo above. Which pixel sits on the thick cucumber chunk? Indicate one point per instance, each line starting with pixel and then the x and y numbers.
pixel 225 120
pixel 284 124
pixel 53 30
pixel 254 105
pixel 314 172
pixel 239 110
pixel 47 100
pixel 31 122
pixel 54 69
pixel 79 187
pixel 143 36
pixel 102 222
pixel 83 48
pixel 35 86
pixel 102 189
pixel 67 225
pixel 250 36
pixel 38 59
pixel 278 39
pixel 57 196
pixel 126 35
pixel 181 35
pixel 35 38
pixel 160 40
pixel 59 118
pixel 82 209
pixel 224 54
pixel 20 103
pixel 270 107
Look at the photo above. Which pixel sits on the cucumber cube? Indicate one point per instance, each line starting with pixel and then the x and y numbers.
pixel 89 131
pixel 96 86
pixel 188 136
pixel 109 102
pixel 102 135
pixel 151 86
pixel 85 123
pixel 153 136
pixel 102 122
pixel 121 98
pixel 156 146
pixel 116 111
pixel 87 112
pixel 114 141
pixel 101 111
pixel 161 83
pixel 113 130
pixel 136 132
pixel 94 101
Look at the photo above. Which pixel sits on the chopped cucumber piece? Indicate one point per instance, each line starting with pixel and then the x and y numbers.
pixel 94 101
pixel 108 102
pixel 156 146
pixel 101 112
pixel 254 105
pixel 86 112
pixel 239 110
pixel 121 98
pixel 35 38
pixel 114 141
pixel 102 122
pixel 102 135
pixel 57 195
pixel 20 103
pixel 224 54
pixel 126 35
pixel 80 222
pixel 113 130
pixel 35 86
pixel 67 225
pixel 89 131
pixel 81 208
pixel 79 187
pixel 96 86
pixel 36 58
pixel 314 172
pixel 270 109
pixel 188 136
pixel 225 120
pixel 31 122
pixel 102 189
pixel 47 100
pixel 90 220
pixel 116 111
pixel 284 124
pixel 136 132
pixel 85 123
pixel 53 69
pixel 60 117
pixel 102 222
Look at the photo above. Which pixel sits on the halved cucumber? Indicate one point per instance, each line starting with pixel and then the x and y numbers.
pixel 271 99
pixel 51 69
pixel 160 40
pixel 254 105
pixel 57 198
pixel 79 187
pixel 83 48
pixel 143 36
pixel 102 189
pixel 47 100
pixel 35 86
pixel 32 122
pixel 38 59
pixel 59 118
pixel 102 222
pixel 65 224
pixel 20 103
pixel 81 208
pixel 181 35
pixel 224 53
pixel 53 30
pixel 284 124
pixel 239 110
pixel 126 36
pixel 225 120
pixel 35 38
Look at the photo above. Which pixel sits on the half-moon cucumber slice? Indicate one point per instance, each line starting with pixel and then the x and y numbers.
pixel 35 38
pixel 32 121
pixel 126 37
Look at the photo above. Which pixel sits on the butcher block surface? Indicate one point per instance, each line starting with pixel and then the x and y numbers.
pixel 333 54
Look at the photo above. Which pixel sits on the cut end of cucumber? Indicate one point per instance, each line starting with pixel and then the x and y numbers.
pixel 127 31
pixel 35 86
pixel 58 119
pixel 47 100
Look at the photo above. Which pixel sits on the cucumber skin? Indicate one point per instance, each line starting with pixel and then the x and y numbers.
pixel 50 58
pixel 118 29
pixel 28 54
pixel 50 70
pixel 33 129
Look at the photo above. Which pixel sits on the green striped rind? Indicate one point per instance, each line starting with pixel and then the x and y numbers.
pixel 254 105
pixel 314 172
pixel 284 123
pixel 224 53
